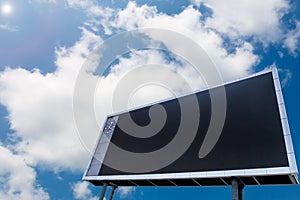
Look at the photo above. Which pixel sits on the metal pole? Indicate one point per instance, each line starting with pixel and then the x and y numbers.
pixel 241 191
pixel 103 191
pixel 237 189
pixel 112 192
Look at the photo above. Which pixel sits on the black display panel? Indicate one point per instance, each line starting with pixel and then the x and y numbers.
pixel 252 136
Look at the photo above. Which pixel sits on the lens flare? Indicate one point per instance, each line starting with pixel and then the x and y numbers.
pixel 6 9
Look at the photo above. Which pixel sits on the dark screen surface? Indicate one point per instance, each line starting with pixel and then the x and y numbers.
pixel 252 136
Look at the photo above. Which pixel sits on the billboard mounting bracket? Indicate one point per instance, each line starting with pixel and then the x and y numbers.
pixel 103 191
pixel 111 196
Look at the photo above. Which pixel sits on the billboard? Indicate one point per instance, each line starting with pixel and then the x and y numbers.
pixel 177 142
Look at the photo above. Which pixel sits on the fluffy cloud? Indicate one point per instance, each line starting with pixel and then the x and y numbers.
pixel 17 179
pixel 261 19
pixel 125 191
pixel 292 39
pixel 98 16
pixel 9 28
pixel 43 1
pixel 79 3
pixel 147 88
pixel 231 64
pixel 40 108
pixel 92 9
pixel 82 192
pixel 287 76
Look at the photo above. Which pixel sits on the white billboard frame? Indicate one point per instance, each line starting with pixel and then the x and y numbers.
pixel 291 171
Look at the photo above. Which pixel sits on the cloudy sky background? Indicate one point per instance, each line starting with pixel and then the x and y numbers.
pixel 45 43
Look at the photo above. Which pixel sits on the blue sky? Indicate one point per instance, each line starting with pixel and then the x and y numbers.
pixel 44 44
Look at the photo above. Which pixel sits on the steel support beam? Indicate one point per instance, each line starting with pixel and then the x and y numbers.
pixel 237 189
pixel 112 192
pixel 103 191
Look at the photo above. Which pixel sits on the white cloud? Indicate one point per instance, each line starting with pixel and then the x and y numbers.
pixel 234 18
pixel 196 2
pixel 44 1
pixel 248 18
pixel 81 191
pixel 98 16
pixel 17 179
pixel 9 28
pixel 231 65
pixel 79 3
pixel 125 191
pixel 287 76
pixel 144 65
pixel 92 9
pixel 40 108
pixel 292 39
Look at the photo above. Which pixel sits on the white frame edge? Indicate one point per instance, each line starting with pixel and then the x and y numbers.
pixel 290 170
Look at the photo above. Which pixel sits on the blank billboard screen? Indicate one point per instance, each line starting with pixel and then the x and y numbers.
pixel 252 141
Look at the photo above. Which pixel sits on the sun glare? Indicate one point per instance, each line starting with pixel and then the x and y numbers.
pixel 6 9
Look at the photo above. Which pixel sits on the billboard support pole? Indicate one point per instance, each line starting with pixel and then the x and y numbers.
pixel 237 189
pixel 112 192
pixel 103 191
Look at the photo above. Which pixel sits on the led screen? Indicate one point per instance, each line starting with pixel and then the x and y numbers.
pixel 252 136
